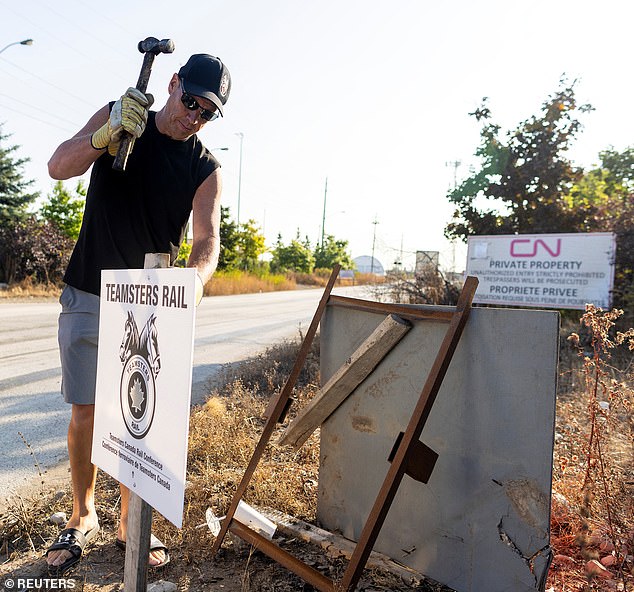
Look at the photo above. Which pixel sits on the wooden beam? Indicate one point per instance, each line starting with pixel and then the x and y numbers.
pixel 284 558
pixel 440 313
pixel 137 548
pixel 335 545
pixel 139 529
pixel 343 382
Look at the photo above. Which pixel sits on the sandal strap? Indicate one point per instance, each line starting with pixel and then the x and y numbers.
pixel 71 540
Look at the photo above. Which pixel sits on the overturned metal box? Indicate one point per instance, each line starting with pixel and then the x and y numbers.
pixel 481 521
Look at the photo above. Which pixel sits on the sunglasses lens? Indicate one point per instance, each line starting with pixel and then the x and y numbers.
pixel 208 115
pixel 189 101
pixel 192 104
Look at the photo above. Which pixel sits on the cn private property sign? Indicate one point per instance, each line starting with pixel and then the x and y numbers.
pixel 144 372
pixel 543 270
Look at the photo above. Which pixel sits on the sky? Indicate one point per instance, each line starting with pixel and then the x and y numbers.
pixel 372 96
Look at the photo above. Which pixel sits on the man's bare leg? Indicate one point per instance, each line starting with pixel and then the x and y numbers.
pixel 83 476
pixel 156 557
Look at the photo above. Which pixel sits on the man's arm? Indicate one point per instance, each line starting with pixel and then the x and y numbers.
pixel 74 156
pixel 103 130
pixel 206 227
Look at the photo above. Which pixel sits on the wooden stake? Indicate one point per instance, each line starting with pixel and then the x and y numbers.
pixel 139 528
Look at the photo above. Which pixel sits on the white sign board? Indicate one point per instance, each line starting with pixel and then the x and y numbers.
pixel 144 373
pixel 543 270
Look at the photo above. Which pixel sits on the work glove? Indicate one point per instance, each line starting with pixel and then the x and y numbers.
pixel 128 114
pixel 199 289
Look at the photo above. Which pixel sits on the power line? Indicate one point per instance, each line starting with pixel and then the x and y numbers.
pixel 39 110
pixel 37 119
pixel 105 16
pixel 70 94
pixel 60 39
pixel 90 34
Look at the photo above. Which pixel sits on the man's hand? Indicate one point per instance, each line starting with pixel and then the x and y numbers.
pixel 128 114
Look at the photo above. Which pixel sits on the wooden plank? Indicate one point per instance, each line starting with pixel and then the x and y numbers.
pixel 441 313
pixel 335 545
pixel 343 382
pixel 137 549
pixel 277 410
pixel 139 527
pixel 284 558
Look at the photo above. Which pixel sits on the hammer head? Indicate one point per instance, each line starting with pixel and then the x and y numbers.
pixel 153 45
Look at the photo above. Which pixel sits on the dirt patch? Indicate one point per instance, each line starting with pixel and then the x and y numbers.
pixel 592 536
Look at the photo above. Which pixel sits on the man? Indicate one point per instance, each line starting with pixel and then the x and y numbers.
pixel 144 209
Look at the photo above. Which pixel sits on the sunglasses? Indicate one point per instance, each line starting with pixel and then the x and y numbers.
pixel 192 104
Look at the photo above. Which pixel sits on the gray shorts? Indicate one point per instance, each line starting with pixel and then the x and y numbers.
pixel 77 335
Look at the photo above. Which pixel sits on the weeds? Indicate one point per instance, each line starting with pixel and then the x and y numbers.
pixel 592 531
pixel 38 467
pixel 594 462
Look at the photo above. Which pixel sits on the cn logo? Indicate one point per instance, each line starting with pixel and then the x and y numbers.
pixel 527 247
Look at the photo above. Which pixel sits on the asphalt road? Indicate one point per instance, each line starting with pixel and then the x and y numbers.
pixel 33 416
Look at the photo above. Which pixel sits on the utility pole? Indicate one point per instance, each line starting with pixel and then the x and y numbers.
pixel 241 136
pixel 375 222
pixel 455 164
pixel 323 216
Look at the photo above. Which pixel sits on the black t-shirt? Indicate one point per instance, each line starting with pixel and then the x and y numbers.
pixel 143 209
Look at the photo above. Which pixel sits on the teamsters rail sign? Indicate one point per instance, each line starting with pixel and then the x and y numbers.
pixel 144 371
pixel 543 270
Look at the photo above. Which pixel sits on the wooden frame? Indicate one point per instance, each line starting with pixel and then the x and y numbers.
pixel 402 454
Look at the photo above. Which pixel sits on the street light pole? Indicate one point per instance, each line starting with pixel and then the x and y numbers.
pixel 323 216
pixel 241 136
pixel 23 42
pixel 375 222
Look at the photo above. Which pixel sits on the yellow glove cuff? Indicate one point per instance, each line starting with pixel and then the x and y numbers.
pixel 101 138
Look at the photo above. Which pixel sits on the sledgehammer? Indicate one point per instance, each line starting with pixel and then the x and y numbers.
pixel 150 47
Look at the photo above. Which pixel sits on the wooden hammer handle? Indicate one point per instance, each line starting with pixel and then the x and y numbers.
pixel 125 147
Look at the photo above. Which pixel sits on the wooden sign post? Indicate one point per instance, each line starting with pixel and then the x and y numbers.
pixel 137 550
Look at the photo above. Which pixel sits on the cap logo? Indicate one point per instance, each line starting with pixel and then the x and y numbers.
pixel 224 85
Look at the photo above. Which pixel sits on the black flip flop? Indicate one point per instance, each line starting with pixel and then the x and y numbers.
pixel 155 545
pixel 73 541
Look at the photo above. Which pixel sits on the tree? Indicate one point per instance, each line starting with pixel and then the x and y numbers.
pixel 65 209
pixel 240 247
pixel 251 244
pixel 14 197
pixel 229 255
pixel 292 257
pixel 33 248
pixel 525 176
pixel 331 252
pixel 605 197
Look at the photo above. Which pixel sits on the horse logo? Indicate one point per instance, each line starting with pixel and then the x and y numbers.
pixel 141 359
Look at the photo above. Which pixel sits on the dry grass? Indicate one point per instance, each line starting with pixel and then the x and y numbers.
pixel 29 289
pixel 225 431
pixel 593 501
pixel 223 283
pixel 592 519
pixel 226 283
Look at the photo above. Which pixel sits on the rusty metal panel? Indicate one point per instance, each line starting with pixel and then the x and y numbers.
pixel 482 520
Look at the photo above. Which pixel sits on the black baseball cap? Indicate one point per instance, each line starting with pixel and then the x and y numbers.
pixel 206 76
